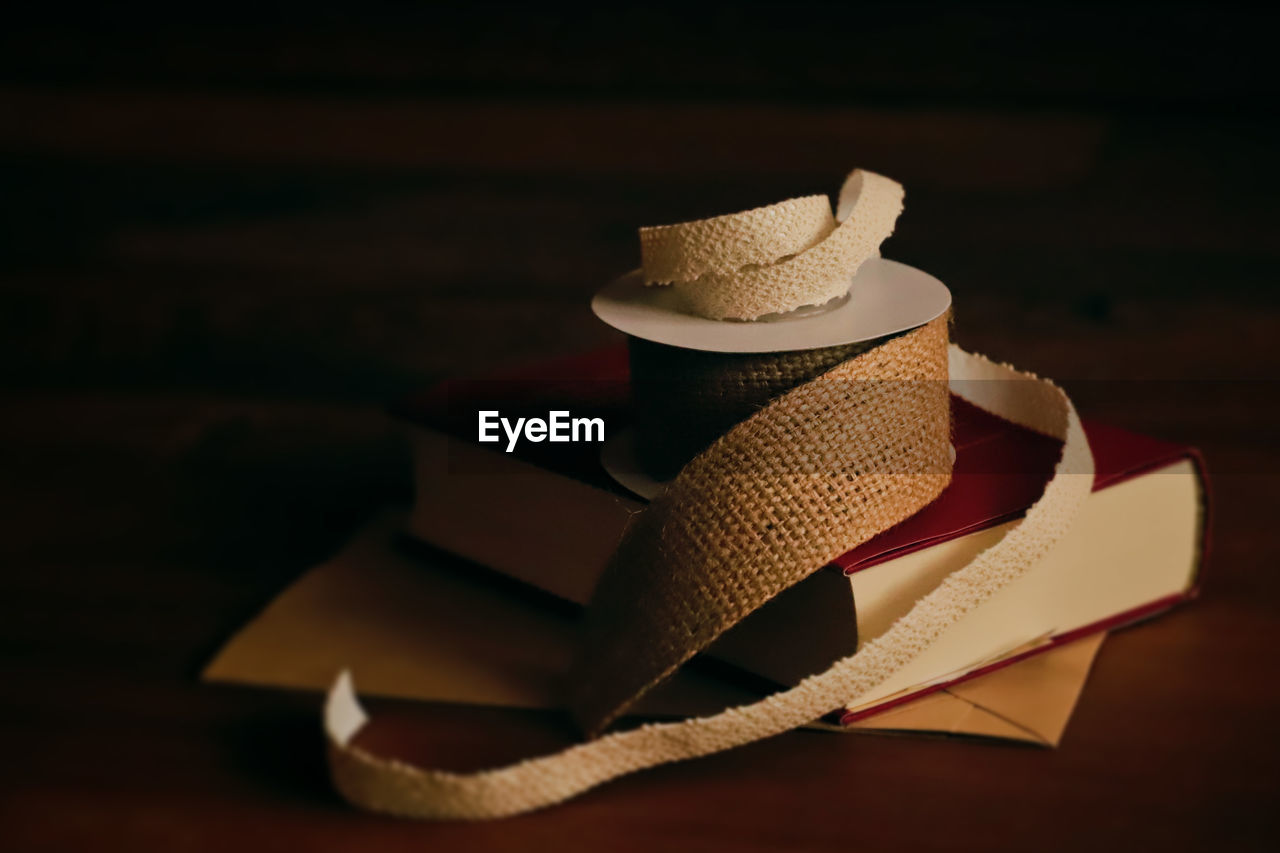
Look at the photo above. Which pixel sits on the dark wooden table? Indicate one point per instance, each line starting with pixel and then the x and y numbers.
pixel 210 288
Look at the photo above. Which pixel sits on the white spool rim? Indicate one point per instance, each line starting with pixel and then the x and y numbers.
pixel 618 458
pixel 886 298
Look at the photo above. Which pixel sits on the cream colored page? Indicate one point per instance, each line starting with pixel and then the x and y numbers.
pixel 417 628
pixel 1030 700
pixel 1133 543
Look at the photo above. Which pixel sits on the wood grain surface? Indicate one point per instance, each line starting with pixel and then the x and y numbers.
pixel 227 242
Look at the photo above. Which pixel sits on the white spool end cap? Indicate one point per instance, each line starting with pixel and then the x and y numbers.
pixel 885 298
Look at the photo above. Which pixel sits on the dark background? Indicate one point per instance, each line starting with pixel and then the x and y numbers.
pixel 229 236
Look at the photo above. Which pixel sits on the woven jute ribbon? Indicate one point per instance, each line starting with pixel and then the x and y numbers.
pixel 814 473
pixel 683 399
pixel 773 259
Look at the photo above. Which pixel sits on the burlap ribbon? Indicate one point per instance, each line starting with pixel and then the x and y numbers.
pixel 773 259
pixel 683 399
pixel 819 470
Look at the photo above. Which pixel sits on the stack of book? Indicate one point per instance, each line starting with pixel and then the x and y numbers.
pixel 535 522
pixel 548 515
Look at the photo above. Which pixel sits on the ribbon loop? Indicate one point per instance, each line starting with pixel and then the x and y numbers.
pixel 725 244
pixel 818 471
pixel 812 474
pixel 393 787
pixel 772 260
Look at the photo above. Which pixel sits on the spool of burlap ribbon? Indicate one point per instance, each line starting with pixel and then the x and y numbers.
pixel 811 474
pixel 683 399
